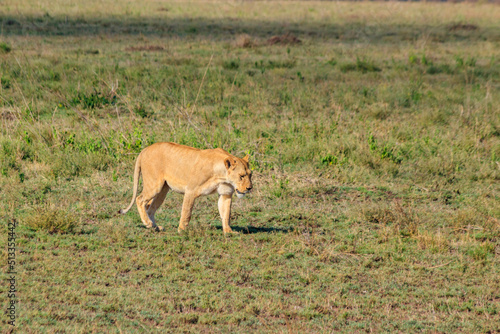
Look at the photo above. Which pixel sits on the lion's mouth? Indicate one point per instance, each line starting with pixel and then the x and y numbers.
pixel 240 194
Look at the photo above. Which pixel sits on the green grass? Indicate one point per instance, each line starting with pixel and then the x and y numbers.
pixel 375 143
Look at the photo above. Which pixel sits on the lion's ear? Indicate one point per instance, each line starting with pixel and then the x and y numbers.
pixel 246 158
pixel 227 163
pixel 230 163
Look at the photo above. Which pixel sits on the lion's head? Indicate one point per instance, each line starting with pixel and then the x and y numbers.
pixel 239 175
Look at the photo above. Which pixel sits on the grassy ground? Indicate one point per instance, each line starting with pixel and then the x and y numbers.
pixel 375 143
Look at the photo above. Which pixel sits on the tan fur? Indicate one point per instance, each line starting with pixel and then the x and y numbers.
pixel 191 172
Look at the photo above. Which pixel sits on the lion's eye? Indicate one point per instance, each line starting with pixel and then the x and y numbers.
pixel 241 177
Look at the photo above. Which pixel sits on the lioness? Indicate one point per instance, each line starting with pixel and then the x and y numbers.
pixel 192 172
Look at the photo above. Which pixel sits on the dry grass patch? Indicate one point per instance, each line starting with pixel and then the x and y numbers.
pixel 436 242
pixel 245 41
pixel 53 220
pixel 401 219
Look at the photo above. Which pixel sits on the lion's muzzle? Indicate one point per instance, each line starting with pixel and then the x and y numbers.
pixel 240 194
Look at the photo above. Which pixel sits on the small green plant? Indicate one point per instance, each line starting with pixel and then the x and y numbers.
pixel 332 62
pixel 135 141
pixel 471 62
pixel 90 145
pixel 459 61
pixel 52 220
pixel 5 48
pixel 69 140
pixel 285 98
pixel 5 82
pixel 372 143
pixel 27 138
pixel 7 157
pixel 413 59
pixel 141 111
pixel 224 112
pixel 281 187
pixel 329 160
pixel 424 60
pixel 300 76
pixel 231 64
pixel 93 100
pixel 385 153
pixel 388 153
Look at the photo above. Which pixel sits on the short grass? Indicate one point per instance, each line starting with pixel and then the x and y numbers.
pixel 373 131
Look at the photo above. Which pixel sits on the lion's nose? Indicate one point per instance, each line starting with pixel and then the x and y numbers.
pixel 249 188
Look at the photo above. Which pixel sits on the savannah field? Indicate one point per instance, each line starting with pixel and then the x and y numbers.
pixel 374 136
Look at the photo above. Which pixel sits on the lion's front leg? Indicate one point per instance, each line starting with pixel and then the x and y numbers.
pixel 225 212
pixel 187 209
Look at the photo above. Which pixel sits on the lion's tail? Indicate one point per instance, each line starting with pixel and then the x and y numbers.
pixel 137 173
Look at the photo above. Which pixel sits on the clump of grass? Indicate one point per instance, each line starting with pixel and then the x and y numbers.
pixel 402 220
pixel 93 100
pixel 360 65
pixel 482 251
pixel 5 82
pixel 53 220
pixel 189 318
pixel 332 62
pixel 86 158
pixel 466 219
pixel 435 242
pixel 141 111
pixel 386 152
pixel 5 48
pixel 232 64
pixel 329 160
pixel 244 41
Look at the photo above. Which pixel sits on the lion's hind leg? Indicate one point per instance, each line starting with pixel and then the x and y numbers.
pixel 148 202
pixel 156 203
